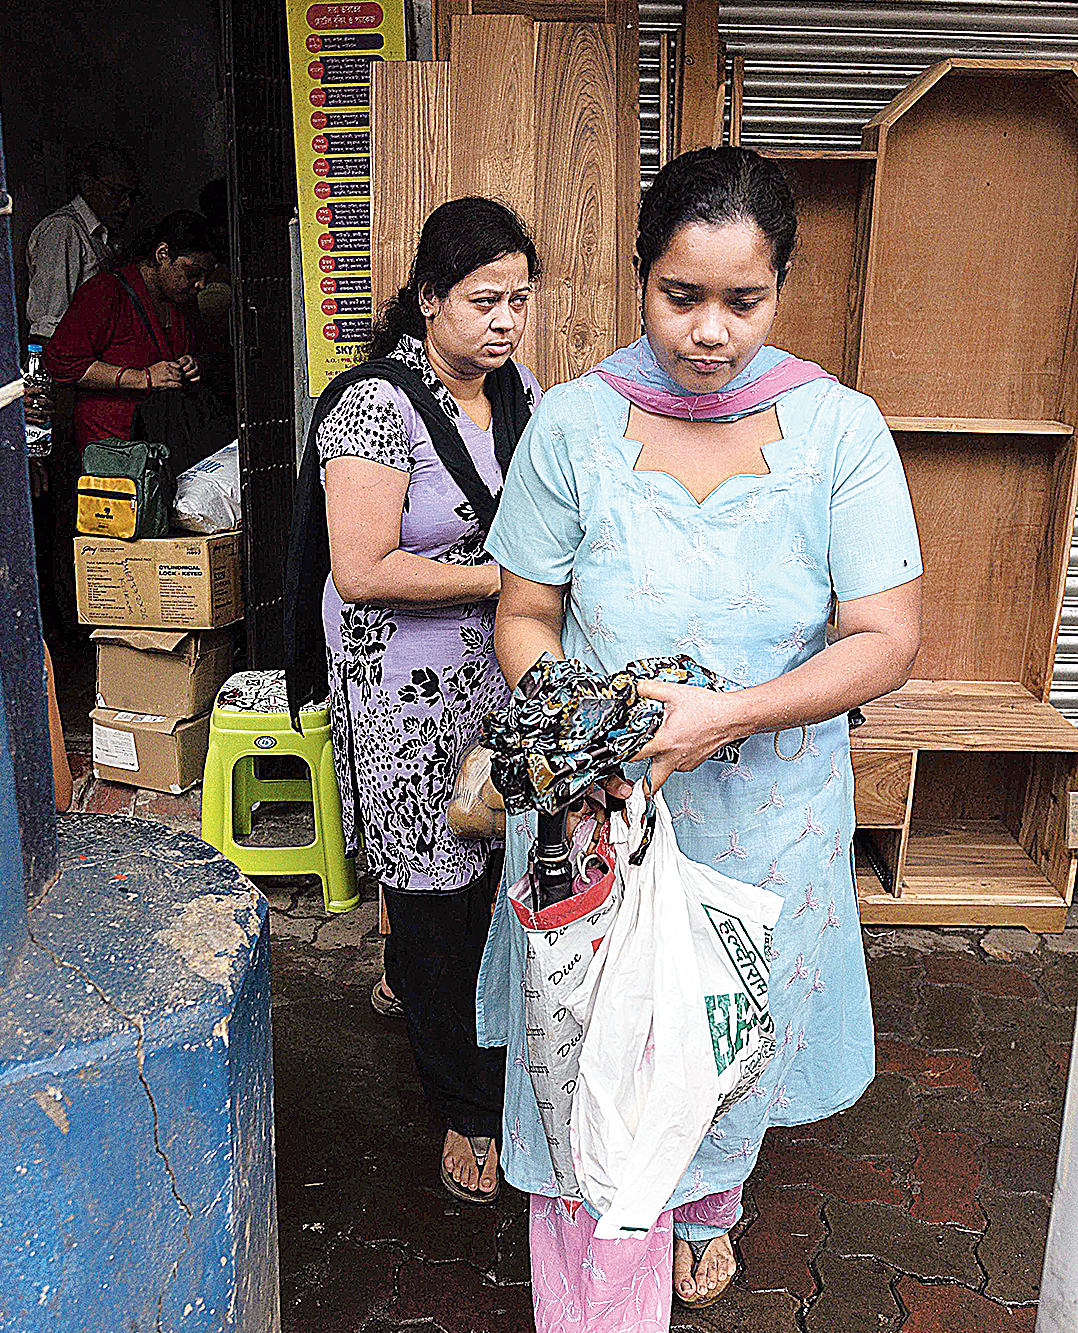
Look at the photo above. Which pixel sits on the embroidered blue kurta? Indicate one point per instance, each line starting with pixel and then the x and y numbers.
pixel 743 583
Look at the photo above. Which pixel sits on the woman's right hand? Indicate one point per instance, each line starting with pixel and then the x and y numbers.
pixel 165 375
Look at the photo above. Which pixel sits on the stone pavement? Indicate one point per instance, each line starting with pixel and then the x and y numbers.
pixel 923 1208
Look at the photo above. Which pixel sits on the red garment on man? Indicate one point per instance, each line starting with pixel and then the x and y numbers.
pixel 102 324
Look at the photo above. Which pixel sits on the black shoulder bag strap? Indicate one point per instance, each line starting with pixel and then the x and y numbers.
pixel 308 555
pixel 142 314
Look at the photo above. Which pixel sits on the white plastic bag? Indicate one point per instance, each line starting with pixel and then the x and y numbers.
pixel 208 494
pixel 561 942
pixel 676 1023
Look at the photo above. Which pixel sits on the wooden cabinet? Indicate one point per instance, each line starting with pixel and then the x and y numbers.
pixel 937 273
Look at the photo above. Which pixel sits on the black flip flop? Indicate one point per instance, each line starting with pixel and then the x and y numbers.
pixel 698 1247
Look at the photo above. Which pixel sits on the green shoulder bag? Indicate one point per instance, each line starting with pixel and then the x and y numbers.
pixel 126 490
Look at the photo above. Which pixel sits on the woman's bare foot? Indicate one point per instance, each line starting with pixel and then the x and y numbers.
pixel 713 1273
pixel 459 1161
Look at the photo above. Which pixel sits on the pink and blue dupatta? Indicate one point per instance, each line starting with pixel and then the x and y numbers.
pixel 636 374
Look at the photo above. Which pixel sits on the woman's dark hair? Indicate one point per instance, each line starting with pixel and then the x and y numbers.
pixel 716 186
pixel 456 239
pixel 184 232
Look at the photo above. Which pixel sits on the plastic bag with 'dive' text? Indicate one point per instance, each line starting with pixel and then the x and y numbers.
pixel 676 1024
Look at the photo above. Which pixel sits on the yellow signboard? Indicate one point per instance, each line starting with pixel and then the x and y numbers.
pixel 331 48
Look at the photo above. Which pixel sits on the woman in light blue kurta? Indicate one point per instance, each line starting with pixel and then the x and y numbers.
pixel 788 512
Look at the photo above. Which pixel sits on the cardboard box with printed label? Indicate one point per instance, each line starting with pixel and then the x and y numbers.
pixel 175 672
pixel 148 750
pixel 159 582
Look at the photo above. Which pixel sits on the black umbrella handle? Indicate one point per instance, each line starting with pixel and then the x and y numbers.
pixel 552 876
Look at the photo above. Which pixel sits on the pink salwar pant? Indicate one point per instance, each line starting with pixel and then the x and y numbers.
pixel 584 1285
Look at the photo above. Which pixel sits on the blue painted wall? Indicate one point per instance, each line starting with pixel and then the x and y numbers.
pixel 136 1095
pixel 12 904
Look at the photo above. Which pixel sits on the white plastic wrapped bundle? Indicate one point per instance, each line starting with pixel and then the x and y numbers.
pixel 208 494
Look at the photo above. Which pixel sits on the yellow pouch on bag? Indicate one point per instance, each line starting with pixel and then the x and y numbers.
pixel 107 507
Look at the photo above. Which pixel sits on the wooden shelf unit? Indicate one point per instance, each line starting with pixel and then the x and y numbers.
pixel 912 284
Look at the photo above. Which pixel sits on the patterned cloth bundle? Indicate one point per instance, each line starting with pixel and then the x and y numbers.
pixel 567 726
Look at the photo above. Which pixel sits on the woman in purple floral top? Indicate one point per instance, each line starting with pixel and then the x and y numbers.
pixel 409 614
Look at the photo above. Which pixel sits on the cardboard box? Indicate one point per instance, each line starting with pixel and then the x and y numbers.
pixel 173 671
pixel 148 750
pixel 159 582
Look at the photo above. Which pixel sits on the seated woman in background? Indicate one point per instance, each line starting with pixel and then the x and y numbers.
pixel 131 331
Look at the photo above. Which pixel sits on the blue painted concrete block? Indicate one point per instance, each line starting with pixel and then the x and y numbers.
pixel 136 1094
pixel 12 892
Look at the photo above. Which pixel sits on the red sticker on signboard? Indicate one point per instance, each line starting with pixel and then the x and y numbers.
pixel 329 306
pixel 330 331
pixel 320 166
pixel 319 120
pixel 320 143
pixel 325 241
pixel 316 69
pixel 328 285
pixel 342 17
pixel 318 96
pixel 324 215
pixel 322 189
pixel 327 263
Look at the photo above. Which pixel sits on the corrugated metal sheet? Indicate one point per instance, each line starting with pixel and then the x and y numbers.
pixel 816 73
pixel 1065 680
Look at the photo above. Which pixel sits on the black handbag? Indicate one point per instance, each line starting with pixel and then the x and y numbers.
pixel 189 421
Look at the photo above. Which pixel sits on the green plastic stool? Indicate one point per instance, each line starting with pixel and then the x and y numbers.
pixel 250 720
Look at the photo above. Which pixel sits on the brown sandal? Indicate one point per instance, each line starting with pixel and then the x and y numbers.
pixel 481 1149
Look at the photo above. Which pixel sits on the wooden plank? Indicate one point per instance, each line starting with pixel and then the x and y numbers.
pixel 886 846
pixel 984 504
pixel 820 154
pixel 881 792
pixel 963 208
pixel 548 11
pixel 442 12
pixel 977 426
pixel 878 908
pixel 494 146
pixel 494 138
pixel 1043 830
pixel 946 861
pixel 625 15
pixel 703 55
pixel 411 146
pixel 812 318
pixel 971 785
pixel 576 223
pixel 737 100
pixel 858 283
pixel 964 715
pixel 1049 575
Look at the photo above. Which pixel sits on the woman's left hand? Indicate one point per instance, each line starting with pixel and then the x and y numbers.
pixel 189 370
pixel 696 722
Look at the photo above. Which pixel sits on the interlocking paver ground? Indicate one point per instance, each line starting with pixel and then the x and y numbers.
pixel 924 1208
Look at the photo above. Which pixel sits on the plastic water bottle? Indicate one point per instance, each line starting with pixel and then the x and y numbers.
pixel 37 404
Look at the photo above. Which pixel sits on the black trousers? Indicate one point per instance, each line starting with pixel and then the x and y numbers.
pixel 432 958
